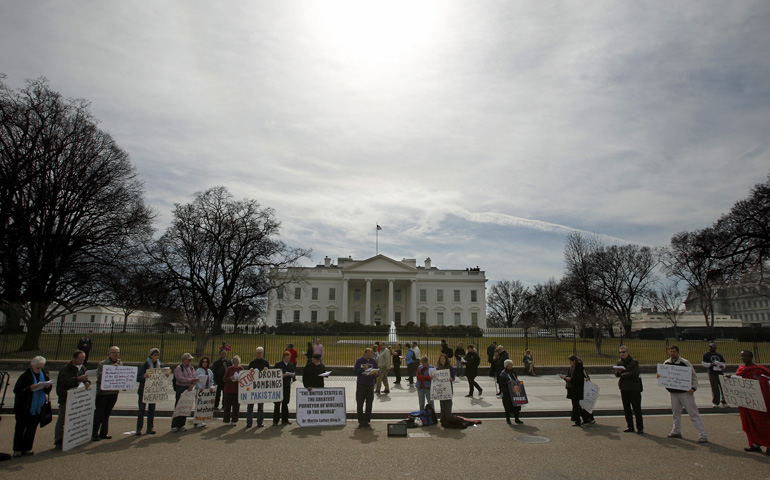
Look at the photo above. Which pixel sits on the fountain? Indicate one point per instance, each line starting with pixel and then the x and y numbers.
pixel 392 337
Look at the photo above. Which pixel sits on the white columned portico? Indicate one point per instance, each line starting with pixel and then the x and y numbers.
pixel 413 302
pixel 391 313
pixel 368 312
pixel 345 300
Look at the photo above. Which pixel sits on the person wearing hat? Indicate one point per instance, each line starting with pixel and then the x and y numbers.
pixel 715 362
pixel 185 380
pixel 311 372
pixel 153 361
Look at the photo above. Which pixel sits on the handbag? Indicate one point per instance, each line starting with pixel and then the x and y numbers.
pixel 46 414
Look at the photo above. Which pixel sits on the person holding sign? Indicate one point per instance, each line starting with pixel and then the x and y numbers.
pixel 630 385
pixel 152 361
pixel 31 390
pixel 230 402
pixel 184 381
pixel 506 377
pixel 684 398
pixel 105 399
pixel 575 384
pixel 281 409
pixel 445 364
pixel 70 376
pixel 756 424
pixel 311 374
pixel 715 362
pixel 366 369
pixel 258 364
pixel 208 383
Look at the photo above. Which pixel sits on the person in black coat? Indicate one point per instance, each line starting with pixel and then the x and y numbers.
pixel 472 362
pixel 28 404
pixel 491 350
pixel 397 363
pixel 311 372
pixel 218 368
pixel 85 345
pixel 575 389
pixel 259 364
pixel 507 376
pixel 281 410
pixel 500 359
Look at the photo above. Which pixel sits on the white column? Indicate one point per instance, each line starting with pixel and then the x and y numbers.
pixel 413 303
pixel 368 313
pixel 344 300
pixel 391 314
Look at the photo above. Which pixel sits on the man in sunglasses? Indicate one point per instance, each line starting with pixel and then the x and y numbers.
pixel 630 385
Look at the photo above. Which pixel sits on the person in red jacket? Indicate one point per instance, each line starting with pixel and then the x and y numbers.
pixel 230 393
pixel 423 383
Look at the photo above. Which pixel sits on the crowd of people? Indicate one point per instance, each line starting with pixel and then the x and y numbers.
pixel 371 370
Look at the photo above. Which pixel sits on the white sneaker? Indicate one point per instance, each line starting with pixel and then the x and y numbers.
pixel 182 429
pixel 715 405
pixel 174 429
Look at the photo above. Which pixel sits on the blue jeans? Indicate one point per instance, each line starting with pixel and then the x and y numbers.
pixel 422 395
pixel 460 368
pixel 250 414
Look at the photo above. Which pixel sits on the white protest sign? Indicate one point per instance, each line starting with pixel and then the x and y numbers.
pixel 678 377
pixel 186 404
pixel 204 405
pixel 79 417
pixel 157 385
pixel 590 395
pixel 441 385
pixel 743 392
pixel 118 377
pixel 322 407
pixel 260 386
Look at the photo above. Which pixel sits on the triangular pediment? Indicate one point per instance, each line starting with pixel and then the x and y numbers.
pixel 379 263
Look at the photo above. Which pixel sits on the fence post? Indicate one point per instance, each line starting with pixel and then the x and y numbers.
pixel 574 341
pixel 58 344
pixel 112 330
pixel 162 340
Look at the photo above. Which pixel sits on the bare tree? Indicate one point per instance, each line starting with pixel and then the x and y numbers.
pixel 548 304
pixel 668 301
pixel 220 253
pixel 70 205
pixel 506 301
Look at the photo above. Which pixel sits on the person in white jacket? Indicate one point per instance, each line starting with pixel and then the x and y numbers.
pixel 684 399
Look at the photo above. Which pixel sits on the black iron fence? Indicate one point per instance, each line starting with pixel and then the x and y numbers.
pixel 548 347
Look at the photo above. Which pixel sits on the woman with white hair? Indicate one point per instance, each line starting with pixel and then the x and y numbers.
pixel 506 380
pixel 30 398
pixel 184 380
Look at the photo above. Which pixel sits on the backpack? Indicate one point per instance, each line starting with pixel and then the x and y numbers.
pixel 451 421
pixel 426 417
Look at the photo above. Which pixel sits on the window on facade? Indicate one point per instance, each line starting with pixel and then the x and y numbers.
pixel 440 318
pixel 279 293
pixel 331 315
pixel 397 296
pixel 357 317
pixel 423 318
pixel 314 293
pixel 377 295
pixel 474 296
pixel 423 295
pixel 332 293
pixel 457 319
pixel 93 318
pixel 474 319
pixel 278 317
pixel 397 318
pixel 439 295
pixel 297 293
pixel 314 316
pixel 357 295
pixel 74 318
pixel 296 316
pixel 457 295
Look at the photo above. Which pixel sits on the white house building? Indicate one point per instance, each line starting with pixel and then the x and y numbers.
pixel 381 291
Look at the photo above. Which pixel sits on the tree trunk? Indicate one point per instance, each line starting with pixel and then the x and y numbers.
pixel 125 321
pixel 35 324
pixel 598 339
pixel 12 319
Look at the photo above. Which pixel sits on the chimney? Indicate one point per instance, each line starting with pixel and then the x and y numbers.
pixel 327 261
pixel 427 263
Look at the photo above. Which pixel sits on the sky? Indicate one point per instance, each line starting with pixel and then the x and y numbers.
pixel 473 133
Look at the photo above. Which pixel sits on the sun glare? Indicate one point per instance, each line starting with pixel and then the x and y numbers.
pixel 371 31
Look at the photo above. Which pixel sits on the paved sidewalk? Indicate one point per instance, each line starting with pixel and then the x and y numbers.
pixel 547 397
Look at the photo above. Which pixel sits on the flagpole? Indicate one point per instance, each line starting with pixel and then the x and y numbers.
pixel 377 239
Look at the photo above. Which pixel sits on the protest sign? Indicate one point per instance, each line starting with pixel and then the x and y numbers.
pixel 743 392
pixel 260 386
pixel 590 395
pixel 157 385
pixel 118 377
pixel 518 394
pixel 79 417
pixel 678 377
pixel 321 407
pixel 204 405
pixel 441 385
pixel 186 404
